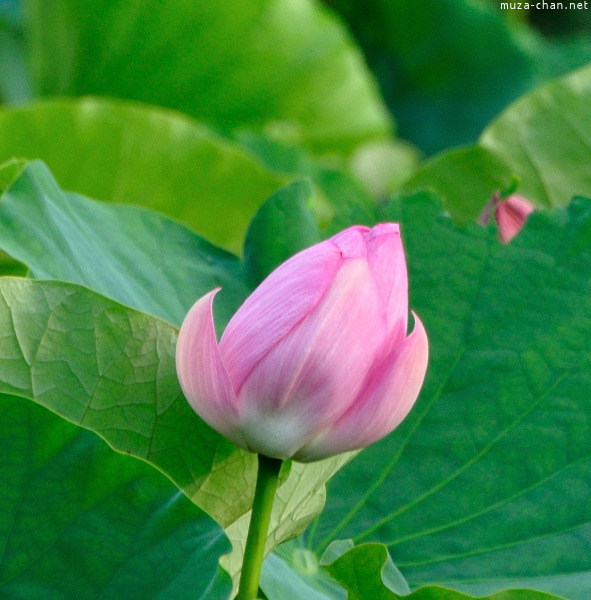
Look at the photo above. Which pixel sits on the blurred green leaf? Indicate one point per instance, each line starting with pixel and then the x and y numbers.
pixel 382 166
pixel 118 251
pixel 465 179
pixel 80 521
pixel 9 171
pixel 128 153
pixel 15 84
pixel 447 67
pixel 372 172
pixel 283 67
pixel 336 191
pixel 544 140
pixel 282 226
pixel 484 486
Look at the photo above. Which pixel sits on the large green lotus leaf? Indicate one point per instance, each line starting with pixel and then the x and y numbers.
pixel 68 243
pixel 111 369
pixel 485 486
pixel 128 153
pixel 286 67
pixel 543 140
pixel 81 521
pixel 137 257
pixel 147 261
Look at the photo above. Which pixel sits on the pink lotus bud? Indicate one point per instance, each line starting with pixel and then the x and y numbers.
pixel 511 215
pixel 316 361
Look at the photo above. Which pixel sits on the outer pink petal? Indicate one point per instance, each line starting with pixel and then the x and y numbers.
pixel 201 372
pixel 390 394
pixel 276 307
pixel 385 255
pixel 352 241
pixel 382 246
pixel 311 377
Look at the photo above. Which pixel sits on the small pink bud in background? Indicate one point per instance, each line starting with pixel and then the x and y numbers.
pixel 511 215
pixel 317 360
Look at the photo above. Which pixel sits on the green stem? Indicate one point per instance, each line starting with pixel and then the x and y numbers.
pixel 259 525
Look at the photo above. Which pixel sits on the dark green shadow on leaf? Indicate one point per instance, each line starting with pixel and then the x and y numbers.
pixel 81 521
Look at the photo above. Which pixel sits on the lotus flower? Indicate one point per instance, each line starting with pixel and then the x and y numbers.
pixel 317 360
pixel 511 215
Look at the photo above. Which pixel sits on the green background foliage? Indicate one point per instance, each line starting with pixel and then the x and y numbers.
pixel 447 67
pixel 531 142
pixel 278 66
pixel 197 145
pixel 126 152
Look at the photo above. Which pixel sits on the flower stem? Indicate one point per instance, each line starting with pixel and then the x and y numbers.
pixel 264 495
